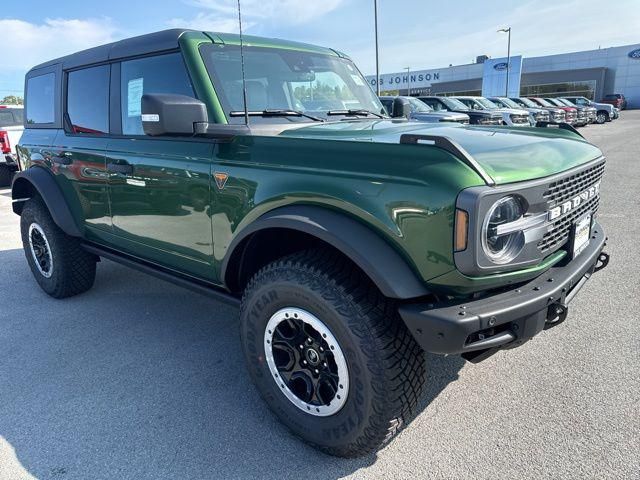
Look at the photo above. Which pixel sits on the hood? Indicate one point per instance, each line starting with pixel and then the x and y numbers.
pixel 506 154
pixel 440 116
pixel 487 113
pixel 535 110
pixel 603 106
pixel 511 111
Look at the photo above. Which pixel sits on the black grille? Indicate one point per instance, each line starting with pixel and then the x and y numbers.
pixel 561 228
pixel 568 187
pixel 563 190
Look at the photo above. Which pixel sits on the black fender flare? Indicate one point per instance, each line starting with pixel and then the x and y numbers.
pixel 368 250
pixel 43 182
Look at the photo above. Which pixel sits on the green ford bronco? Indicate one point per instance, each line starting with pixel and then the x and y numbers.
pixel 268 175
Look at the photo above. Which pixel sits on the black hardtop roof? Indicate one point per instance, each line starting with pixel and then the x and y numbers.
pixel 129 47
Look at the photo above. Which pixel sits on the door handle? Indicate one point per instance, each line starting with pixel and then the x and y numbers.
pixel 124 168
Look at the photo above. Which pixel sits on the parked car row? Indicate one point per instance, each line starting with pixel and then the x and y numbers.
pixel 514 112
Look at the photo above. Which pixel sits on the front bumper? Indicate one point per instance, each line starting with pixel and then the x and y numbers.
pixel 478 328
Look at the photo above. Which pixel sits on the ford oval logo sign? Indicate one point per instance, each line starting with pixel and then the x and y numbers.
pixel 500 66
pixel 635 54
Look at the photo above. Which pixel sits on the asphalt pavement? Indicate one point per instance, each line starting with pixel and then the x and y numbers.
pixel 139 379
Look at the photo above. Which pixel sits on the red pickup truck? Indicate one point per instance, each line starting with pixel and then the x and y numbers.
pixel 616 99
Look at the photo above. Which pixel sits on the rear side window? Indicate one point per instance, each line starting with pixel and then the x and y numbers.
pixel 160 74
pixel 41 98
pixel 88 100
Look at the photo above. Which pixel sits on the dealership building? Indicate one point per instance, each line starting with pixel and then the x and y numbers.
pixel 592 73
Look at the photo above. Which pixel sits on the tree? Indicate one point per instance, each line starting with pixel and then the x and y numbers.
pixel 12 100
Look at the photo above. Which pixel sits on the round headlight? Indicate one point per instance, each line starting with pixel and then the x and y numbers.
pixel 502 248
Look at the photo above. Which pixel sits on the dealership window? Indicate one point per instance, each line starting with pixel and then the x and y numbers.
pixel 463 93
pixel 41 98
pixel 159 74
pixel 88 100
pixel 585 88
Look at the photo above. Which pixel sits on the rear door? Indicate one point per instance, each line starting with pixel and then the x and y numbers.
pixel 78 151
pixel 159 187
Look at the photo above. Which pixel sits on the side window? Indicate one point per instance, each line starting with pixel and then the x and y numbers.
pixel 41 98
pixel 160 74
pixel 88 100
pixel 388 105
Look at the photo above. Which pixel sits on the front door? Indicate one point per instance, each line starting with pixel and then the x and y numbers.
pixel 160 201
pixel 159 187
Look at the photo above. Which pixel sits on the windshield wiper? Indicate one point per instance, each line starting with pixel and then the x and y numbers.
pixel 355 112
pixel 275 113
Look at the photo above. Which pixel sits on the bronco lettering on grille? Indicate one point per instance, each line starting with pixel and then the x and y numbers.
pixel 574 202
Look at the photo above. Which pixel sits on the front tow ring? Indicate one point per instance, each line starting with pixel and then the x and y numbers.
pixel 602 262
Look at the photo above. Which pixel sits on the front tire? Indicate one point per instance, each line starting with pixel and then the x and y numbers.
pixel 58 262
pixel 602 117
pixel 343 373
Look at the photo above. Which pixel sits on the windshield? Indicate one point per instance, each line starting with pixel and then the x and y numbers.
pixel 285 79
pixel 554 101
pixel 418 106
pixel 507 102
pixel 486 103
pixel 10 117
pixel 528 103
pixel 564 102
pixel 453 103
pixel 544 103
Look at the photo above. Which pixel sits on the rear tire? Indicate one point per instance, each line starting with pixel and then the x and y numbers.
pixel 6 175
pixel 384 369
pixel 58 262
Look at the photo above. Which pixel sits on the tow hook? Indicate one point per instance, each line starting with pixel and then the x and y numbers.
pixel 556 314
pixel 602 262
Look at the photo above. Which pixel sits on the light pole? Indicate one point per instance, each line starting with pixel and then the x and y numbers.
pixel 375 20
pixel 507 30
pixel 408 69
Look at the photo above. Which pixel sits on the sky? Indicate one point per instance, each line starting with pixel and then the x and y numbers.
pixel 419 34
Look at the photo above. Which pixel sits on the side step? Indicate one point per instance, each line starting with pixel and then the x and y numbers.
pixel 168 275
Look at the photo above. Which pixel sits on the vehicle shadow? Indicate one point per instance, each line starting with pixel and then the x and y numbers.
pixel 140 379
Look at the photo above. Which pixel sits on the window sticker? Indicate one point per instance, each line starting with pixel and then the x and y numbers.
pixel 134 97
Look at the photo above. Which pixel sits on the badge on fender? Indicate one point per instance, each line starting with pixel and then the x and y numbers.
pixel 221 179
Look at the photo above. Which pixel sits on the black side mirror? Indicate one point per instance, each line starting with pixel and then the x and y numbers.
pixel 401 108
pixel 165 114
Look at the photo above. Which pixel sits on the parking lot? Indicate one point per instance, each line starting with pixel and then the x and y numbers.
pixel 141 379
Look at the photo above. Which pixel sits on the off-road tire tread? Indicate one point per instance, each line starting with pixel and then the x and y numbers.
pixel 78 265
pixel 396 361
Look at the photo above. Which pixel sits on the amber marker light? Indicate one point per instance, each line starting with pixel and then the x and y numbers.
pixel 461 230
